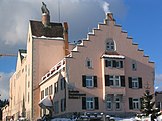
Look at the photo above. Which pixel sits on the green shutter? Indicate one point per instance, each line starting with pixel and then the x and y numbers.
pixel 83 103
pixel 130 103
pixel 106 63
pixel 140 82
pixel 96 103
pixel 107 80
pixel 95 81
pixel 122 81
pixel 83 80
pixel 130 82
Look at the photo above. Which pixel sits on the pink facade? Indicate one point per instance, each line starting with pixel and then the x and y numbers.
pixel 106 73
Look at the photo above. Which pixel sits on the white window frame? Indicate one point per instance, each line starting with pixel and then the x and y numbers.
pixel 109 103
pixel 117 102
pixel 136 103
pixel 89 81
pixel 115 79
pixel 110 45
pixel 90 103
pixel 135 82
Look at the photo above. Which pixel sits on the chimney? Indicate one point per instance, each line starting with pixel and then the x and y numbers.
pixel 109 17
pixel 66 43
pixel 45 19
pixel 45 15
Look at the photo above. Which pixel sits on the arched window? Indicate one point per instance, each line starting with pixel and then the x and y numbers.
pixel 110 45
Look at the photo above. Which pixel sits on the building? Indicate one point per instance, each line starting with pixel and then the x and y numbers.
pixel 105 73
pixel 158 100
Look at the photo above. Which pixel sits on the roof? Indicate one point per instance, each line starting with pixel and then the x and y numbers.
pixel 112 54
pixel 53 30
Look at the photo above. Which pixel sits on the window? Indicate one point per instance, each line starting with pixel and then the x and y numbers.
pixel 114 80
pixel 88 63
pixel 46 91
pixel 90 103
pixel 135 82
pixel 117 103
pixel 135 103
pixel 109 103
pixel 110 46
pixel 56 107
pixel 56 87
pixel 89 81
pixel 113 63
pixel 42 94
pixel 62 83
pixel 51 90
pixel 63 105
pixel 134 66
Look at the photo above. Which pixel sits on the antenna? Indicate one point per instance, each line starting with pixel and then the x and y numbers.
pixel 59 10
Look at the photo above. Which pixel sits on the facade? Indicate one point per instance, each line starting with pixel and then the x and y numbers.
pixel 105 73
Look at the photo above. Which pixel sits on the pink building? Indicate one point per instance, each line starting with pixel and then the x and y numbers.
pixel 105 73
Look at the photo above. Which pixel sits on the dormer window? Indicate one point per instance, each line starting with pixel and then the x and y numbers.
pixel 110 45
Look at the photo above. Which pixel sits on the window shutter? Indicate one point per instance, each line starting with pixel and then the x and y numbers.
pixel 130 103
pixel 84 80
pixel 114 63
pixel 96 103
pixel 141 102
pixel 140 82
pixel 83 103
pixel 121 64
pixel 106 63
pixel 95 81
pixel 130 82
pixel 122 81
pixel 107 80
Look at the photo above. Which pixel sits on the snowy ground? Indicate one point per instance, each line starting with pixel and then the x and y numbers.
pixel 116 119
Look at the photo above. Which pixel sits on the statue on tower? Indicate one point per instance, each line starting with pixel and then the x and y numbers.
pixel 44 9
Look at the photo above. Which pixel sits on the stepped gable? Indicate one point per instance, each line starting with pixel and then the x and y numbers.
pixel 53 30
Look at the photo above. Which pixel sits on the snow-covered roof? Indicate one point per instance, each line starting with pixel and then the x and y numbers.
pixel 46 102
pixel 44 37
pixel 54 70
pixel 113 56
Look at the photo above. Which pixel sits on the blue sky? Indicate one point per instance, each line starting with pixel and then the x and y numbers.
pixel 142 19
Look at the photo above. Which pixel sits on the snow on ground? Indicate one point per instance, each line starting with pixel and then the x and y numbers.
pixel 116 119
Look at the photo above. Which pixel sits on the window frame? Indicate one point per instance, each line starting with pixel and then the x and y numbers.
pixel 135 83
pixel 109 101
pixel 90 81
pixel 136 103
pixel 90 103
pixel 110 45
pixel 117 102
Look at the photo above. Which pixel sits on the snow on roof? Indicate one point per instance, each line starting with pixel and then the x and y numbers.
pixel 45 102
pixel 44 37
pixel 54 70
pixel 113 56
